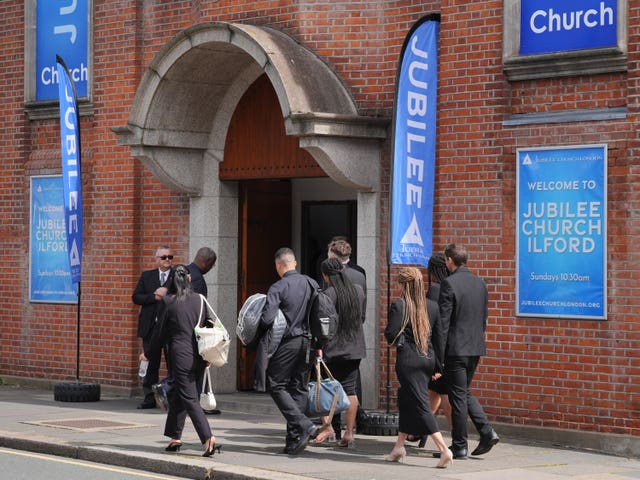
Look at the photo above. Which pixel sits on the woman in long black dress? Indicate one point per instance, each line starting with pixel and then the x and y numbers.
pixel 177 317
pixel 409 329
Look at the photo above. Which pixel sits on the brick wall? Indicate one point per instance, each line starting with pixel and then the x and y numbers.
pixel 562 373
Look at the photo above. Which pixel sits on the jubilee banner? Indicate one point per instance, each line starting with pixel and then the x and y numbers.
pixel 49 277
pixel 562 232
pixel 71 179
pixel 415 146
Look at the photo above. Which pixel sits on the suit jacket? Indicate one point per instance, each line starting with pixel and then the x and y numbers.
pixel 143 295
pixel 198 283
pixel 464 310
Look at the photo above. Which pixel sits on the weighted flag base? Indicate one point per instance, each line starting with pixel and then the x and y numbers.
pixel 76 392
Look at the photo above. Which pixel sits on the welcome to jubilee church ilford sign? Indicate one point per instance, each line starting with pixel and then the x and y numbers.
pixel 548 26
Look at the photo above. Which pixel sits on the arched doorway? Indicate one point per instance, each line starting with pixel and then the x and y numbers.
pixel 178 129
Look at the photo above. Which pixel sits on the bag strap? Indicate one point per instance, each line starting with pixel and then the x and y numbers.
pixel 204 302
pixel 207 378
pixel 336 395
pixel 201 307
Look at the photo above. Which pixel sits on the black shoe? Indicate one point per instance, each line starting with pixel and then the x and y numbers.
pixel 146 405
pixel 212 412
pixel 457 454
pixel 300 445
pixel 486 443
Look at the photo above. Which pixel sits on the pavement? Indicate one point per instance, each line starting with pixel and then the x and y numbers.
pixel 112 431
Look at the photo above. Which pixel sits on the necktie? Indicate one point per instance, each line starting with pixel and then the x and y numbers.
pixel 163 278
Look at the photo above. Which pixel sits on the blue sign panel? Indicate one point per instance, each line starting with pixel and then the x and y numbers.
pixel 62 29
pixel 49 277
pixel 414 148
pixel 550 25
pixel 71 179
pixel 562 232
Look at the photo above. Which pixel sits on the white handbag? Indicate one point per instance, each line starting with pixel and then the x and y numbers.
pixel 207 399
pixel 213 338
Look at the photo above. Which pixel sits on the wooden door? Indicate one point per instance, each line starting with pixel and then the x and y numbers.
pixel 265 226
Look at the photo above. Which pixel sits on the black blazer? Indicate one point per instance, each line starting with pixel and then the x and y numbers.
pixel 464 311
pixel 143 295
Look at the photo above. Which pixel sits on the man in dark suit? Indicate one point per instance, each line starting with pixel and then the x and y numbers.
pixel 203 262
pixel 464 311
pixel 148 293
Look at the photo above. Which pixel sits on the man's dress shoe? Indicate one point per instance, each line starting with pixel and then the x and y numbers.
pixel 457 454
pixel 145 405
pixel 486 443
pixel 301 443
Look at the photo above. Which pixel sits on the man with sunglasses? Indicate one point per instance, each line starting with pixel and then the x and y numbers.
pixel 149 292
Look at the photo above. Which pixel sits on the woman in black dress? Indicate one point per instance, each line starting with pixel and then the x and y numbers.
pixel 177 317
pixel 409 329
pixel 343 353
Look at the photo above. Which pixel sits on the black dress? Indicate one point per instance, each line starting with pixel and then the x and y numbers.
pixel 414 371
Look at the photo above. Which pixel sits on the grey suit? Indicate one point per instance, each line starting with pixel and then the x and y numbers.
pixel 463 304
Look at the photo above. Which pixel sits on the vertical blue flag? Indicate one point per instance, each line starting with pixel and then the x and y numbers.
pixel 71 180
pixel 415 146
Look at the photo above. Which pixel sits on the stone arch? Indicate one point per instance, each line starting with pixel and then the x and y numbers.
pixel 185 99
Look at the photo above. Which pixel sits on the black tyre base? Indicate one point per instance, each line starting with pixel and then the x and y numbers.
pixel 379 423
pixel 76 392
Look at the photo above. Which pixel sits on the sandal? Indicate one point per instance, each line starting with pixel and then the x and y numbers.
pixel 327 434
pixel 348 440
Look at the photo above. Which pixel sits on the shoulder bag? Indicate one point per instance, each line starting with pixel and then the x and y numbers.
pixel 213 339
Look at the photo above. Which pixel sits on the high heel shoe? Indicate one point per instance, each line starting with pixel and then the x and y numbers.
pixel 396 455
pixel 212 448
pixel 446 458
pixel 173 447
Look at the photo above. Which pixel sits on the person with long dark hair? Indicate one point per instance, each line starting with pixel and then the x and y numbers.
pixel 180 312
pixel 343 353
pixel 411 320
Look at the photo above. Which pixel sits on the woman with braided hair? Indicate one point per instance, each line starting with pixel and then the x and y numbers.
pixel 178 314
pixel 411 321
pixel 343 353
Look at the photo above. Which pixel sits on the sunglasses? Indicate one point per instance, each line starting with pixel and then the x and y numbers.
pixel 165 257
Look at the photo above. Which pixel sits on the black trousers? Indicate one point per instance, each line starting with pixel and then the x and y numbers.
pixel 458 372
pixel 287 378
pixel 184 400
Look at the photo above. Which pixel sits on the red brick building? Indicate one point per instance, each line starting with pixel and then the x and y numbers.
pixel 248 125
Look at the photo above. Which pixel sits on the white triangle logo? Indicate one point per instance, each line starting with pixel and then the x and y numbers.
pixel 412 235
pixel 527 160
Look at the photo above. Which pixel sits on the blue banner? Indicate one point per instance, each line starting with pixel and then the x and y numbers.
pixel 415 147
pixel 550 26
pixel 49 277
pixel 562 232
pixel 62 28
pixel 71 179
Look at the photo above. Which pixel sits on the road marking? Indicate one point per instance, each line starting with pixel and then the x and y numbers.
pixel 82 464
